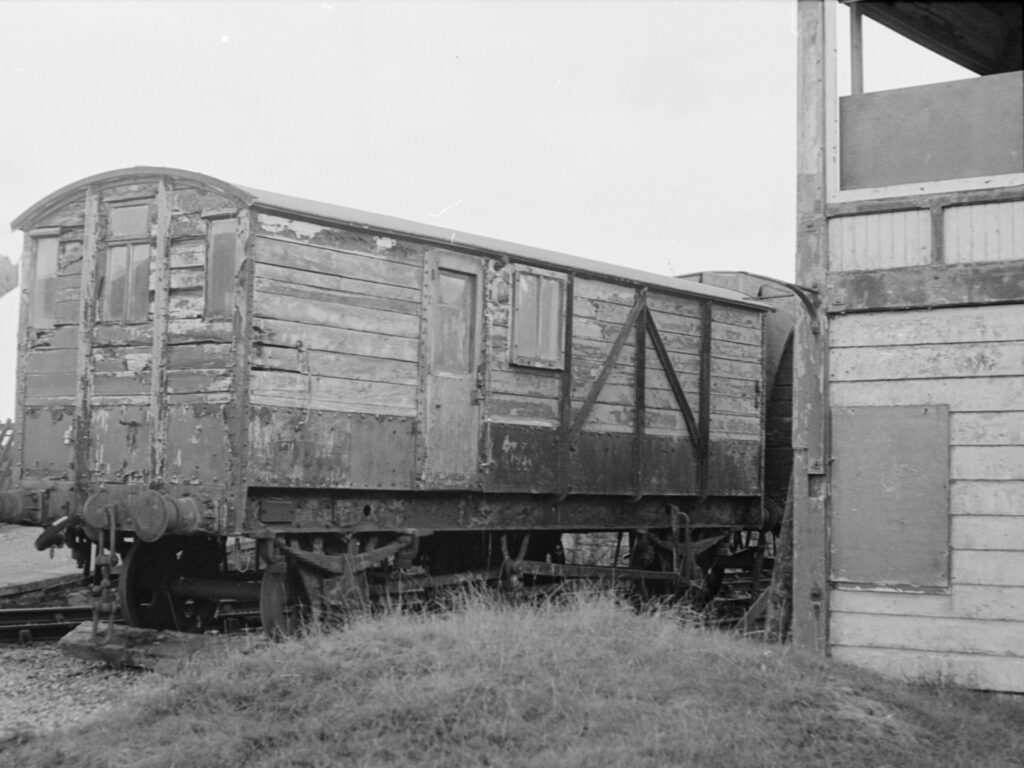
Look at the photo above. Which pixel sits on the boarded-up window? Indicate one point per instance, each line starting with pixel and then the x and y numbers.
pixel 129 221
pixel 124 270
pixel 44 284
pixel 452 348
pixel 221 264
pixel 538 318
pixel 890 495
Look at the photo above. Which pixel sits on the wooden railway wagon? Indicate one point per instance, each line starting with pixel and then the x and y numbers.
pixel 380 404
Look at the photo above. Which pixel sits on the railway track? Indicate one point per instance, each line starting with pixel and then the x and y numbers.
pixel 23 625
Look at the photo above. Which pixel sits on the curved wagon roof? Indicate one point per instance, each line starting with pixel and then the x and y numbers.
pixel 321 212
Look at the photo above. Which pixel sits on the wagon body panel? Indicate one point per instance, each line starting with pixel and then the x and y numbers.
pixel 348 387
pixel 285 361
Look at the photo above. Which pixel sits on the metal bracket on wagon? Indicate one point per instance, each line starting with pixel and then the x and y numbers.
pixel 337 565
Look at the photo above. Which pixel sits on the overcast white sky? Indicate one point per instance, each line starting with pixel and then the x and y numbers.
pixel 659 135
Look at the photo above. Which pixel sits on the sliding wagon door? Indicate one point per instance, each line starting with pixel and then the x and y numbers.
pixel 451 358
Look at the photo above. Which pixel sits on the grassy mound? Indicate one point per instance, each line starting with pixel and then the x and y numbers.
pixel 588 683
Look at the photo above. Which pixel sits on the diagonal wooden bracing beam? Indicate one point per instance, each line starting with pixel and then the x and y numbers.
pixel 677 389
pixel 606 369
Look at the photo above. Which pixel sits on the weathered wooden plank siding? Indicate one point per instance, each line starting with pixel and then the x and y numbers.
pixel 930 361
pixel 524 398
pixel 297 335
pixel 299 278
pixel 336 318
pixel 929 633
pixel 994 673
pixel 599 312
pixel 995 532
pixel 1001 497
pixel 967 602
pixel 880 240
pixel 333 394
pixel 984 232
pixel 367 266
pixel 985 567
pixel 973 360
pixel 49 388
pixel 961 394
pixel 200 351
pixel 50 361
pixel 69 276
pixel 926 326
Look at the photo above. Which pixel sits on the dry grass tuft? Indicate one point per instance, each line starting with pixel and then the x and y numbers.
pixel 578 681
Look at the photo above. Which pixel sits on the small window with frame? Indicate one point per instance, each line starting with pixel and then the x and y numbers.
pixel 538 318
pixel 44 282
pixel 221 266
pixel 124 268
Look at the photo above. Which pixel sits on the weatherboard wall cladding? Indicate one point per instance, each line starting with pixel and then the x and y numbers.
pixel 971 361
pixel 334 364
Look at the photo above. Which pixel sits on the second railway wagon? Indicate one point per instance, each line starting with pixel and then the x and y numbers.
pixel 382 405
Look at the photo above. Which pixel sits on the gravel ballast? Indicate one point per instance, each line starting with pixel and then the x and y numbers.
pixel 42 690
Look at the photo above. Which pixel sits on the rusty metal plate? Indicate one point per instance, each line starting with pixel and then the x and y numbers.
pixel 48 442
pixel 119 448
pixel 197 444
pixel 734 468
pixel 323 449
pixel 602 463
pixel 669 466
pixel 890 495
pixel 521 458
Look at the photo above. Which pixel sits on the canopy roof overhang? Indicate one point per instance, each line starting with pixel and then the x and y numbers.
pixel 983 36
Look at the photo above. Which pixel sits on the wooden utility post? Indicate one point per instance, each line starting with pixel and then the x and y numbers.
pixel 810 587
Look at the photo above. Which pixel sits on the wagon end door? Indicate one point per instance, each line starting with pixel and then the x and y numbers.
pixel 451 358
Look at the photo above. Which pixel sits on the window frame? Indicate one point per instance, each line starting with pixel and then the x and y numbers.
pixel 39 317
pixel 227 310
pixel 131 291
pixel 534 357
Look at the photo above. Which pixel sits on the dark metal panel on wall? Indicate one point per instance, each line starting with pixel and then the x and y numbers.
pixel 890 495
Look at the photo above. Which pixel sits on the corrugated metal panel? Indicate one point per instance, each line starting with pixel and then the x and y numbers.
pixel 880 240
pixel 984 232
